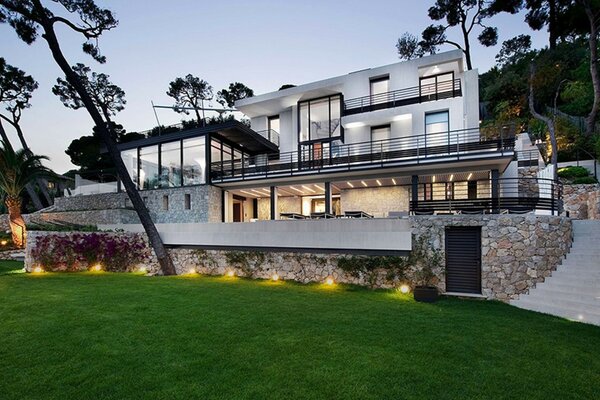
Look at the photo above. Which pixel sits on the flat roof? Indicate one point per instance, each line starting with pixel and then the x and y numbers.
pixel 233 131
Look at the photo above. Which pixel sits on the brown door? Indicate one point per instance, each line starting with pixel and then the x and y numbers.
pixel 237 212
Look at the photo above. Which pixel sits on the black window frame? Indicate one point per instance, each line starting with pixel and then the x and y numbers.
pixel 323 140
pixel 436 76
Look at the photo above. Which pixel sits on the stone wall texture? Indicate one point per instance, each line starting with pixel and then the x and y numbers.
pixel 517 253
pixel 377 201
pixel 582 201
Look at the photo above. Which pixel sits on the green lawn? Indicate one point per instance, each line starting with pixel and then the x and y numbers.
pixel 126 336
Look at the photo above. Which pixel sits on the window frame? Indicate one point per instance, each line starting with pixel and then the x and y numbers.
pixel 436 76
pixel 330 138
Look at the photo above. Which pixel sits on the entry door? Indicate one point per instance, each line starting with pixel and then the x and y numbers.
pixel 463 259
pixel 237 212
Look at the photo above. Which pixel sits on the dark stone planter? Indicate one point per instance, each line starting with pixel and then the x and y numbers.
pixel 426 294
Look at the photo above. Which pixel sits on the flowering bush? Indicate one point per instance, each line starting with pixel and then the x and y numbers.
pixel 77 251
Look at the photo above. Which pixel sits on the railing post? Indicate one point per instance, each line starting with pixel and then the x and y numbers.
pixel 495 191
pixel 552 197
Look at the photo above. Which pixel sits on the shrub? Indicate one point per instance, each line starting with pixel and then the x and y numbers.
pixel 369 266
pixel 584 180
pixel 573 172
pixel 73 252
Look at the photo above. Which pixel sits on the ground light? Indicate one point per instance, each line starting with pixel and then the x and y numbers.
pixel 275 278
pixel 96 268
pixel 329 281
pixel 142 270
pixel 38 270
pixel 4 242
pixel 230 273
pixel 404 289
pixel 192 271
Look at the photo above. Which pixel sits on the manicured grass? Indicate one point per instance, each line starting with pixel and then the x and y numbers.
pixel 125 336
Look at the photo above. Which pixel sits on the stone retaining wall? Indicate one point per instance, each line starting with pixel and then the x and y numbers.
pixel 582 201
pixel 517 252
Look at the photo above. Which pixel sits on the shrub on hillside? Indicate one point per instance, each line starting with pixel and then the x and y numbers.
pixel 571 172
pixel 584 180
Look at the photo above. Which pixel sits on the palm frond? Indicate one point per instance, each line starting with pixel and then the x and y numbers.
pixel 19 168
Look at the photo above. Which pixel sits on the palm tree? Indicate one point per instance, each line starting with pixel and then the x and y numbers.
pixel 17 170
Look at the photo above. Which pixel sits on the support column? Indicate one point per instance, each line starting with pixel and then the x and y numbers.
pixel 273 202
pixel 414 192
pixel 328 197
pixel 495 175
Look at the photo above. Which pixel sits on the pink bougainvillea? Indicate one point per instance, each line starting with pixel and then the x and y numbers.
pixel 77 251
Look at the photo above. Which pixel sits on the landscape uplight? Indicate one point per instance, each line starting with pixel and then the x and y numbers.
pixel 96 268
pixel 275 278
pixel 329 281
pixel 230 273
pixel 404 289
pixel 38 270
pixel 4 242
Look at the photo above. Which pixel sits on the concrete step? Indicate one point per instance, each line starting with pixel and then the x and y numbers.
pixel 558 285
pixel 561 311
pixel 553 296
pixel 591 306
pixel 582 293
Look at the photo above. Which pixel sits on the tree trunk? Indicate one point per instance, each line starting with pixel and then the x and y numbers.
pixel 35 199
pixel 552 24
pixel 467 49
pixel 590 121
pixel 103 132
pixel 549 123
pixel 16 222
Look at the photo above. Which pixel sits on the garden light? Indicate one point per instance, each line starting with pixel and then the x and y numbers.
pixel 329 281
pixel 404 289
pixel 142 270
pixel 38 270
pixel 97 268
pixel 275 277
pixel 4 242
pixel 192 271
pixel 230 273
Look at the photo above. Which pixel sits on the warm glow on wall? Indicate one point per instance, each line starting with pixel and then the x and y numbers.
pixel 329 281
pixel 38 270
pixel 4 242
pixel 230 273
pixel 275 278
pixel 96 268
pixel 142 270
pixel 404 289
pixel 192 271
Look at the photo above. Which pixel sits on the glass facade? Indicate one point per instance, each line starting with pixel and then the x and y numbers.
pixel 170 164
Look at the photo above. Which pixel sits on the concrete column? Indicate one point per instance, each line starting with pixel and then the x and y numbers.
pixel 273 202
pixel 415 191
pixel 328 197
pixel 494 176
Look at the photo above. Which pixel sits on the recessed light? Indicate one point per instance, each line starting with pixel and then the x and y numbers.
pixel 364 184
pixel 433 179
pixel 393 181
pixel 349 184
pixel 470 176
pixel 309 189
pixel 379 183
pixel 451 177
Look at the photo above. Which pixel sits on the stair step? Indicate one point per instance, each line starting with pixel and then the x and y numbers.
pixel 591 306
pixel 564 312
pixel 562 286
pixel 592 300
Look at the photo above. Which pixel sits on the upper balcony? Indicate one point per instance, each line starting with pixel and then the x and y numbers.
pixel 403 97
pixel 470 145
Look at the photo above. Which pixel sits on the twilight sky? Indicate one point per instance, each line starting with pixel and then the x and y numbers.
pixel 262 43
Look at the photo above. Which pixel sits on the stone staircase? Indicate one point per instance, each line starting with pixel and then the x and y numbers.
pixel 573 290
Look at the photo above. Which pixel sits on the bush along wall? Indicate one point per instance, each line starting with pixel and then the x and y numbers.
pixel 78 251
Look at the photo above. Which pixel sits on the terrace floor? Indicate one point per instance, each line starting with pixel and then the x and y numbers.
pixel 116 336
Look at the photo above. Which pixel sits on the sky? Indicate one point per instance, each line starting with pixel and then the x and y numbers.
pixel 261 43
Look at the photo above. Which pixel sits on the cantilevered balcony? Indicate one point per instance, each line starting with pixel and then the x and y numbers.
pixel 403 97
pixel 470 144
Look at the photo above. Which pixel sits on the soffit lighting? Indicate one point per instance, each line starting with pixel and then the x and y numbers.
pixel 451 177
pixel 309 189
pixel 364 184
pixel 470 176
pixel 349 184
pixel 297 190
pixel 351 125
pixel 433 179
pixel 403 117
pixel 319 187
pixel 393 181
pixel 378 182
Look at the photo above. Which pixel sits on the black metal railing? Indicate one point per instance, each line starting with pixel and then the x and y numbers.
pixel 271 135
pixel 528 158
pixel 332 156
pixel 403 97
pixel 503 195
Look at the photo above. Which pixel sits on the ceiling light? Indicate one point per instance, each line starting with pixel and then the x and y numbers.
pixel 297 190
pixel 379 183
pixel 433 179
pixel 351 125
pixel 349 184
pixel 402 117
pixel 393 181
pixel 451 177
pixel 319 187
pixel 470 176
pixel 309 189
pixel 364 184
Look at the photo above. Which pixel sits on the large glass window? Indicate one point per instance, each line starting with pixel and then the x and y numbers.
pixel 170 162
pixel 194 161
pixel 432 86
pixel 130 159
pixel 320 119
pixel 149 174
pixel 437 126
pixel 379 89
pixel 380 136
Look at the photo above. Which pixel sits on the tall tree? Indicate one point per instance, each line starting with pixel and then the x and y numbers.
pixel 29 19
pixel 17 170
pixel 190 92
pixel 236 91
pixel 513 50
pixel 16 89
pixel 592 12
pixel 467 15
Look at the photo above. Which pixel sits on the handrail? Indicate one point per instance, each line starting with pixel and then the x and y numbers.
pixel 334 154
pixel 411 95
pixel 271 135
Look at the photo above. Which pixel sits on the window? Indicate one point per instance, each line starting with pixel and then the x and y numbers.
pixel 170 164
pixel 194 161
pixel 320 119
pixel 187 201
pixel 274 123
pixel 165 202
pixel 149 178
pixel 427 191
pixel 379 138
pixel 130 159
pixel 472 190
pixel 437 127
pixel 432 87
pixel 379 87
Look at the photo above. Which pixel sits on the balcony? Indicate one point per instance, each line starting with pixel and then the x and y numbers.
pixel 331 157
pixel 271 135
pixel 403 97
